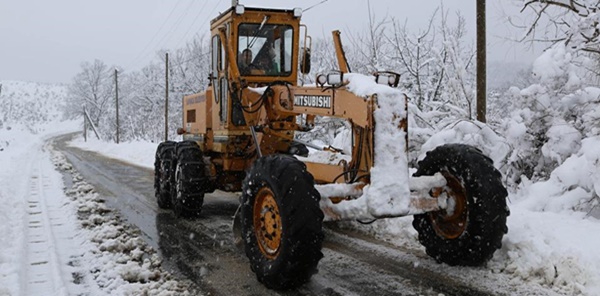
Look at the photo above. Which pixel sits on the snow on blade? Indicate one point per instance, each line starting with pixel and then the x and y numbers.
pixel 388 194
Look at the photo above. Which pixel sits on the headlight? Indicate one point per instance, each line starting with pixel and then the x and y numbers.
pixel 297 12
pixel 390 78
pixel 240 9
pixel 335 79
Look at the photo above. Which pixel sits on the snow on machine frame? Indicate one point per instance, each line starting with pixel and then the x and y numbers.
pixel 238 135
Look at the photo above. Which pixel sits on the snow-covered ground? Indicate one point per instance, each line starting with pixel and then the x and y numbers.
pixel 64 241
pixel 56 240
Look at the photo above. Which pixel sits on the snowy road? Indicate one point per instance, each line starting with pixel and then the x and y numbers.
pixel 202 250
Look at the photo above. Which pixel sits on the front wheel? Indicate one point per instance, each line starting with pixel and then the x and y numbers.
pixel 281 222
pixel 471 230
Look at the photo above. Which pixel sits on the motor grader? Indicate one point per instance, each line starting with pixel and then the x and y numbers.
pixel 240 135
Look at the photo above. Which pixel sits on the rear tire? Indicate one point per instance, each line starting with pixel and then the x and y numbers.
pixel 190 180
pixel 281 222
pixel 162 174
pixel 473 231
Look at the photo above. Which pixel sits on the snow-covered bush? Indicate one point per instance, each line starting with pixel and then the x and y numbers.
pixel 573 186
pixel 549 119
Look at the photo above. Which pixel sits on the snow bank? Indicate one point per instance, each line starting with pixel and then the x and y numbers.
pixel 573 186
pixel 12 212
pixel 554 250
pixel 135 152
pixel 116 260
pixel 473 133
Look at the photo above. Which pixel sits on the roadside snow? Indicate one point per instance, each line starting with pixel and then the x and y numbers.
pixel 26 182
pixel 57 243
pixel 554 250
pixel 138 152
pixel 118 261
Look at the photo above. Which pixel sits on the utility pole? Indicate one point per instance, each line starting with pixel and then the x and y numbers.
pixel 167 96
pixel 481 61
pixel 85 127
pixel 117 101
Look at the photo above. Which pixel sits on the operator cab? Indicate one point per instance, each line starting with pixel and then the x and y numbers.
pixel 250 48
pixel 263 44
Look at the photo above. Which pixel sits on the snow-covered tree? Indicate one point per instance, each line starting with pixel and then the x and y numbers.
pixel 572 22
pixel 419 60
pixel 141 93
pixel 92 88
pixel 459 67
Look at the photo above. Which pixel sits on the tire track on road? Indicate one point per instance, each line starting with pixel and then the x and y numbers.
pixel 45 229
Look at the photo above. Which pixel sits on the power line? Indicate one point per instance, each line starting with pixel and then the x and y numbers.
pixel 168 33
pixel 307 9
pixel 192 25
pixel 196 19
pixel 156 34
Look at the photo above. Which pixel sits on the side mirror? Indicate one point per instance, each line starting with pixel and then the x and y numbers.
pixel 305 61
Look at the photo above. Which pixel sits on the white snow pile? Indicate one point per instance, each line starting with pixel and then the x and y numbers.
pixel 139 152
pixel 473 133
pixel 573 186
pixel 117 261
pixel 386 195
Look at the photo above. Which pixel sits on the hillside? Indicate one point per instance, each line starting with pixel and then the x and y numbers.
pixel 30 104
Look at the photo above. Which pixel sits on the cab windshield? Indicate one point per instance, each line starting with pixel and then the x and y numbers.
pixel 265 50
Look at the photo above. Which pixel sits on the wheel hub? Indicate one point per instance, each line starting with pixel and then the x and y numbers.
pixel 267 223
pixel 452 222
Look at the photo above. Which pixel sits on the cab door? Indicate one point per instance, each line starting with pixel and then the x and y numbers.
pixel 220 84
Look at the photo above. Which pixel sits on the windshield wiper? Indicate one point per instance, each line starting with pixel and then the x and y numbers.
pixel 262 24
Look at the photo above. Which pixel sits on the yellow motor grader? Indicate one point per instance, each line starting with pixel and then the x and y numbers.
pixel 240 135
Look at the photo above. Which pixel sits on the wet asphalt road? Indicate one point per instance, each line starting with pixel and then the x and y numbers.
pixel 202 250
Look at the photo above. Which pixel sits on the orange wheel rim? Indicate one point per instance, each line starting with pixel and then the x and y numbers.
pixel 267 223
pixel 451 225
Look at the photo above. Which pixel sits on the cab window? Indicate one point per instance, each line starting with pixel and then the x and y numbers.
pixel 265 50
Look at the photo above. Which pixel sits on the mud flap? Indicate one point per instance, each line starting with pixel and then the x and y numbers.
pixel 236 228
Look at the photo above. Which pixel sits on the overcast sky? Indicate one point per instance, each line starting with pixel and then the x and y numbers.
pixel 46 41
